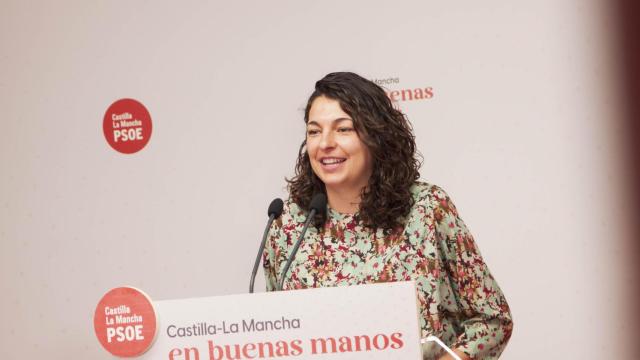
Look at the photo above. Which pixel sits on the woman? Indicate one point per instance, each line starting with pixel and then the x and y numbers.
pixel 382 224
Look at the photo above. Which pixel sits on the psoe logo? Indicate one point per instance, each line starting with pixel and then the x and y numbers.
pixel 127 126
pixel 125 322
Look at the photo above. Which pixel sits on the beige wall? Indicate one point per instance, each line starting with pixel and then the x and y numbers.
pixel 521 131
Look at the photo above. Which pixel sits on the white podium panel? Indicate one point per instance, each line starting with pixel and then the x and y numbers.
pixel 358 322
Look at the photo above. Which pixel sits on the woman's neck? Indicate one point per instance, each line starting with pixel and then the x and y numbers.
pixel 344 201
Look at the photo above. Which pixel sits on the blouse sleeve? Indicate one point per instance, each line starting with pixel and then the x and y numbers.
pixel 487 323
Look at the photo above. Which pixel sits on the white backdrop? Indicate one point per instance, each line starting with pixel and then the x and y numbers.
pixel 521 131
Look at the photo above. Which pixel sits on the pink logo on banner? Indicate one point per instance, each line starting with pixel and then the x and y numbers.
pixel 125 322
pixel 127 126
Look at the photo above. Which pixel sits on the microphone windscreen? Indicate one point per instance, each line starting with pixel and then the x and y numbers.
pixel 275 208
pixel 319 203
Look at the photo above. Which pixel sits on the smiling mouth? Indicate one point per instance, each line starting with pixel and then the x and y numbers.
pixel 332 161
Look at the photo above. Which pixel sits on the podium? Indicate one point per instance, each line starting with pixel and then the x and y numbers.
pixel 377 321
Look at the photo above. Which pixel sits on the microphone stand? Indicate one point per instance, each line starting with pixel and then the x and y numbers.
pixel 260 251
pixel 274 212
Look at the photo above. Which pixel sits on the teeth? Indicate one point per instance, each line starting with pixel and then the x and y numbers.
pixel 332 161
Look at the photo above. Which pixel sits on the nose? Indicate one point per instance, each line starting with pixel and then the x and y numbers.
pixel 327 141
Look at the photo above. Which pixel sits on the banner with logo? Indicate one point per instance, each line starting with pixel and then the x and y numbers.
pixel 358 322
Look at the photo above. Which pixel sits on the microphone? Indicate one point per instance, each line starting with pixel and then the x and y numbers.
pixel 318 206
pixel 274 212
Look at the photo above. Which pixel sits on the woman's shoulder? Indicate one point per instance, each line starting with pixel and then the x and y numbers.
pixel 433 203
pixel 288 221
pixel 292 212
pixel 427 194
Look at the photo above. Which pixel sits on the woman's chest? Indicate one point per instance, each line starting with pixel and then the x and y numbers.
pixel 339 256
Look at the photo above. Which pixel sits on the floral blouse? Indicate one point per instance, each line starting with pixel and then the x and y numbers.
pixel 459 300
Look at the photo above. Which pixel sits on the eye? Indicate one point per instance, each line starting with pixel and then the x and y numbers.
pixel 344 129
pixel 312 132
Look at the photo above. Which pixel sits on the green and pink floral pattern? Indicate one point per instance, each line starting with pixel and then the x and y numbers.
pixel 460 302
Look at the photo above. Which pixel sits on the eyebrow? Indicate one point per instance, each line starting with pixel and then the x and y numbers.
pixel 334 121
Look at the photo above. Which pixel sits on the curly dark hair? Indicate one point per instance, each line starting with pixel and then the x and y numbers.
pixel 386 200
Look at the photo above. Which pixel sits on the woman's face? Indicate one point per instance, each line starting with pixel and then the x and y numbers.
pixel 338 156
